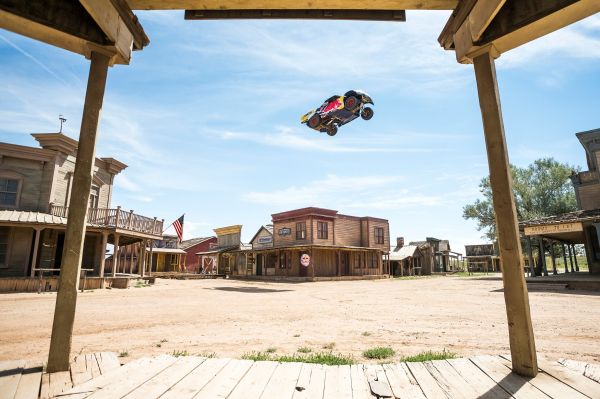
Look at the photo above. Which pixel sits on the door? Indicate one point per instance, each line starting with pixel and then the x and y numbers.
pixel 60 242
pixel 259 264
pixel 345 259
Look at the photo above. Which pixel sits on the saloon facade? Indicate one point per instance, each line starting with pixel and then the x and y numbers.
pixel 330 244
pixel 35 185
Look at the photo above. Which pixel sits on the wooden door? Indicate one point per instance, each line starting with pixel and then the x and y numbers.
pixel 345 263
pixel 259 264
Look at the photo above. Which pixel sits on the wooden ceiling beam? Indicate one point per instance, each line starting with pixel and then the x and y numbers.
pixel 292 4
pixel 109 20
pixel 516 22
pixel 356 15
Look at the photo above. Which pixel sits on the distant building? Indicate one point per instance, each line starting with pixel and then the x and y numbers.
pixel 437 256
pixel 482 258
pixel 305 243
pixel 191 262
pixel 408 260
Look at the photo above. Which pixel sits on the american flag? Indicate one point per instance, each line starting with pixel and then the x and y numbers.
pixel 178 224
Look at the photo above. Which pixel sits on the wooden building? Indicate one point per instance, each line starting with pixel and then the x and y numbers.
pixel 191 262
pixel 227 255
pixel 315 242
pixel 558 235
pixel 406 260
pixel 482 258
pixel 35 187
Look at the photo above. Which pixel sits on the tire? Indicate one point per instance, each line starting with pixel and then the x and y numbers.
pixel 332 130
pixel 367 113
pixel 350 103
pixel 314 121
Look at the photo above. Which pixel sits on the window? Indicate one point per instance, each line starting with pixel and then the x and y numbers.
pixel 4 233
pixel 94 194
pixel 301 231
pixel 9 189
pixel 379 235
pixel 322 230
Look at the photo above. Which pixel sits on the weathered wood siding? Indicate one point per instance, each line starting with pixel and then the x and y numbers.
pixel 105 189
pixel 364 233
pixel 65 169
pixel 347 231
pixel 35 178
pixel 279 240
pixel 262 234
pixel 324 262
pixel 589 196
pixel 228 240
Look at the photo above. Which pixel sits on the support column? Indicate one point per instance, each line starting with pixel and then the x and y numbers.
pixel 151 258
pixel 34 256
pixel 564 254
pixel 103 257
pixel 520 330
pixel 553 259
pixel 543 257
pixel 570 258
pixel 116 255
pixel 66 298
pixel 575 257
pixel 530 255
pixel 142 259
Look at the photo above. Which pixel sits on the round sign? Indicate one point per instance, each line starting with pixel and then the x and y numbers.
pixel 305 260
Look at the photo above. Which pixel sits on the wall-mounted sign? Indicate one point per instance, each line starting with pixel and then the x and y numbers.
pixel 553 229
pixel 265 240
pixel 305 260
pixel 285 231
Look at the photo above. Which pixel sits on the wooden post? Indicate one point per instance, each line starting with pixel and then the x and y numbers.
pixel 66 298
pixel 575 257
pixel 142 259
pixel 570 258
pixel 564 254
pixel 116 255
pixel 543 257
pixel 36 245
pixel 553 259
pixel 151 258
pixel 530 254
pixel 103 257
pixel 520 330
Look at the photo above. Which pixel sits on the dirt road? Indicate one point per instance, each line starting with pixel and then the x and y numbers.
pixel 230 318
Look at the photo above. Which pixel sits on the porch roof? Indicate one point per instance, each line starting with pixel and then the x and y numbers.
pixel 407 251
pixel 167 250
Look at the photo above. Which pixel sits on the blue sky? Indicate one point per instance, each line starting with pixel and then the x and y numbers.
pixel 207 117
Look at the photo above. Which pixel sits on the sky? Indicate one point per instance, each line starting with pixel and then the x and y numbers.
pixel 207 118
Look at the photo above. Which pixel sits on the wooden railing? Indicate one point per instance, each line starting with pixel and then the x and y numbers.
pixel 116 218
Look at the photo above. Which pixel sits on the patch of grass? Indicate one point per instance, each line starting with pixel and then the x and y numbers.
pixel 329 346
pixel 178 353
pixel 209 355
pixel 123 354
pixel 296 335
pixel 304 349
pixel 158 345
pixel 366 333
pixel 271 350
pixel 328 358
pixel 256 356
pixel 162 341
pixel 379 352
pixel 429 355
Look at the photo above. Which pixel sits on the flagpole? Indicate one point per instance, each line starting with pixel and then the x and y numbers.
pixel 172 223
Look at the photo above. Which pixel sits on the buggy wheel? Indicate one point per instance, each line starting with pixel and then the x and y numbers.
pixel 314 121
pixel 350 103
pixel 332 130
pixel 367 113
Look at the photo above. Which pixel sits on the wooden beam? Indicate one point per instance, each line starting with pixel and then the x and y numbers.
pixel 66 298
pixel 359 15
pixel 481 16
pixel 292 4
pixel 109 20
pixel 518 23
pixel 520 330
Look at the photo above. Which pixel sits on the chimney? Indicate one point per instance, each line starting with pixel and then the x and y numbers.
pixel 399 242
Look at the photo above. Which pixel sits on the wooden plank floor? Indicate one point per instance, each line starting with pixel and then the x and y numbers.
pixel 99 376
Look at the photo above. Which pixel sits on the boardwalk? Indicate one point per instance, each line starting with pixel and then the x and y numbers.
pixel 99 376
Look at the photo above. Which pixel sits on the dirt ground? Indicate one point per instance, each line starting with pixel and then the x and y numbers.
pixel 230 318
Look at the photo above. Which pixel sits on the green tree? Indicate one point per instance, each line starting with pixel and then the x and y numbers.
pixel 541 189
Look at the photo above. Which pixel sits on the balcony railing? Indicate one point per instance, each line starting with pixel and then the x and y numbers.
pixel 115 218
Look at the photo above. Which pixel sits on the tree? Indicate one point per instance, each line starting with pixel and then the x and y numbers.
pixel 541 189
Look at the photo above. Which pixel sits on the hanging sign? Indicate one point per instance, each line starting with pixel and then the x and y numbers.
pixel 285 231
pixel 265 240
pixel 305 260
pixel 553 229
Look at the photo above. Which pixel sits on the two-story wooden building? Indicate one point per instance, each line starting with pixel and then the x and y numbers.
pixel 35 185
pixel 316 242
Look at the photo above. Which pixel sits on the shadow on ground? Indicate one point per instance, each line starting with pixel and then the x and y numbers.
pixel 555 289
pixel 248 290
